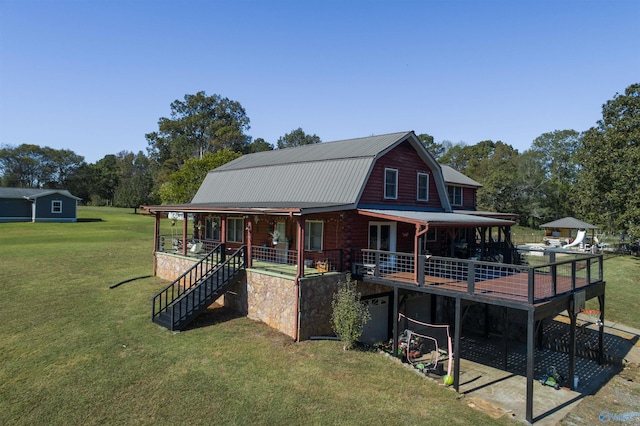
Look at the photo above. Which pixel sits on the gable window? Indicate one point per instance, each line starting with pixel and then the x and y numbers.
pixel 391 183
pixel 56 206
pixel 423 187
pixel 235 229
pixel 313 235
pixel 455 195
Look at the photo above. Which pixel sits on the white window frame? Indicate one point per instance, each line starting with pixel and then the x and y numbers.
pixel 394 183
pixel 56 206
pixel 231 231
pixel 426 189
pixel 307 235
pixel 451 192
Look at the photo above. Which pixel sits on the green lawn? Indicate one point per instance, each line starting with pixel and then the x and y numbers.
pixel 622 297
pixel 76 352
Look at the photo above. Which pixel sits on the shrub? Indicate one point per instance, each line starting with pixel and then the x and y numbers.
pixel 348 315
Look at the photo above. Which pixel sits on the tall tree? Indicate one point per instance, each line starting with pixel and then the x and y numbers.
pixel 183 184
pixel 556 157
pixel 32 166
pixel 495 166
pixel 436 149
pixel 197 125
pixel 135 180
pixel 260 145
pixel 297 137
pixel 608 186
pixel 105 180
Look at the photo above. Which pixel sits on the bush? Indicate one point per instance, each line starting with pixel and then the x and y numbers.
pixel 349 315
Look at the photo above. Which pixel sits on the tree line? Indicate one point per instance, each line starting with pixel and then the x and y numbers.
pixel 593 174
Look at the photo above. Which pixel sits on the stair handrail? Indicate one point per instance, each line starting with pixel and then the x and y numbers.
pixel 228 268
pixel 163 298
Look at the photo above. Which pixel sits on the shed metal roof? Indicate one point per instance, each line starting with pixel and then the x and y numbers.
pixel 33 193
pixel 568 223
pixel 435 219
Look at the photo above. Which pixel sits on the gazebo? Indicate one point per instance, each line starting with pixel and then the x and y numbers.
pixel 562 228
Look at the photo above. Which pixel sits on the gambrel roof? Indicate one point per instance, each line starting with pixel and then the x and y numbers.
pixel 313 178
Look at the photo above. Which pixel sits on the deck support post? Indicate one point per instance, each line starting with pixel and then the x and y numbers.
pixel 601 329
pixel 396 301
pixel 572 342
pixel 530 363
pixel 505 338
pixel 456 349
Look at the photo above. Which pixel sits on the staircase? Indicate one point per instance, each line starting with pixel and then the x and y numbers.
pixel 175 306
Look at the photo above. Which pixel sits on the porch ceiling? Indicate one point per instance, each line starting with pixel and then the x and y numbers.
pixel 435 219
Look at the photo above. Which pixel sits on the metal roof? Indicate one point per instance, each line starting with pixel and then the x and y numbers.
pixel 453 176
pixel 435 219
pixel 370 147
pixel 325 174
pixel 33 193
pixel 568 223
pixel 330 182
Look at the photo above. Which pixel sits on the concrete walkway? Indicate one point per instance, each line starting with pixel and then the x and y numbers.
pixel 499 392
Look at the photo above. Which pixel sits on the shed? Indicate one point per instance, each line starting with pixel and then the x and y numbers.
pixel 37 205
pixel 562 228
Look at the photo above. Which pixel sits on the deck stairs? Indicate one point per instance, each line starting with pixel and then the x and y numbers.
pixel 182 301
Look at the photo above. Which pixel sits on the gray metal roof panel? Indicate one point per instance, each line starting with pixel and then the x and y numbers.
pixel 330 182
pixel 435 218
pixel 344 149
pixel 453 176
pixel 33 193
pixel 568 223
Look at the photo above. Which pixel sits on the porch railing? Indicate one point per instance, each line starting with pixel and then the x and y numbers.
pixel 322 261
pixel 536 277
pixel 174 244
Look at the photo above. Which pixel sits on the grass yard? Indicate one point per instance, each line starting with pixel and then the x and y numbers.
pixel 76 352
pixel 622 298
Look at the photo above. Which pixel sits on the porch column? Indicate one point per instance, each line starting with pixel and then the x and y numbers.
pixel 300 246
pixel 156 243
pixel 418 277
pixel 395 321
pixel 185 224
pixel 249 242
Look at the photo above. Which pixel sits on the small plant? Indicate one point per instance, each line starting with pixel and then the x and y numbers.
pixel 349 315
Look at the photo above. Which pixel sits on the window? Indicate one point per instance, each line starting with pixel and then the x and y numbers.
pixel 212 228
pixel 56 206
pixel 423 187
pixel 313 235
pixel 235 229
pixel 391 183
pixel 455 195
pixel 432 235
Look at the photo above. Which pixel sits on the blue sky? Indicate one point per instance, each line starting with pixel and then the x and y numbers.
pixel 95 76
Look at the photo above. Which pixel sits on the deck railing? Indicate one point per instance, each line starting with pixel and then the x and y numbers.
pixel 538 276
pixel 264 257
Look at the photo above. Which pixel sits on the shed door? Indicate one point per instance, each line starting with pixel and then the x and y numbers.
pixel 377 328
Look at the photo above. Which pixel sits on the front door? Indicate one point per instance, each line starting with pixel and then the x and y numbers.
pixel 382 236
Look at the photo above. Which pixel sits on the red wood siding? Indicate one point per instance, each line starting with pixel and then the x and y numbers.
pixel 408 163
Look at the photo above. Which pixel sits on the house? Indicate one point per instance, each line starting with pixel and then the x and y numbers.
pixel 37 205
pixel 271 233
